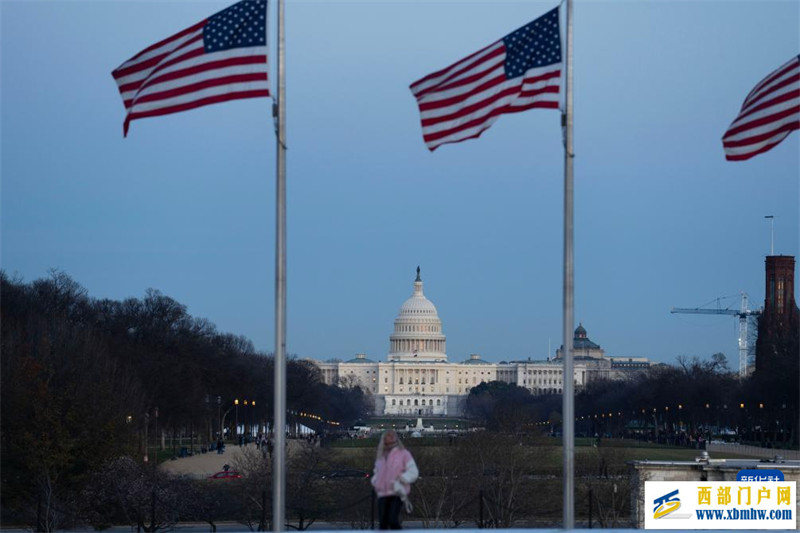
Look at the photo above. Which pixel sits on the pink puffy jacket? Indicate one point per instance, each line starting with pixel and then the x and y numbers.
pixel 394 474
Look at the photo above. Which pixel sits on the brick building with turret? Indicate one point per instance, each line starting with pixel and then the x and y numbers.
pixel 779 324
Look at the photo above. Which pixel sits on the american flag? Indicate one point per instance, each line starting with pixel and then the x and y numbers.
pixel 520 71
pixel 769 114
pixel 223 57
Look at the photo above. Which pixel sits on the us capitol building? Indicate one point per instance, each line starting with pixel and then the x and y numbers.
pixel 417 379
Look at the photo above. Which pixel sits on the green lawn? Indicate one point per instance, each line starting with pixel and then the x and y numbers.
pixel 662 453
pixel 625 450
pixel 613 454
pixel 594 467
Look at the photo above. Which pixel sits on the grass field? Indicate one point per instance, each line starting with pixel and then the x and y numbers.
pixel 602 474
pixel 519 477
pixel 633 450
pixel 611 457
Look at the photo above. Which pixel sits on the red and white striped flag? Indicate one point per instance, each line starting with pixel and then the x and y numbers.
pixel 520 71
pixel 221 58
pixel 769 114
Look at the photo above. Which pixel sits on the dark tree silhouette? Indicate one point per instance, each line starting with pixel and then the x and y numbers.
pixel 84 381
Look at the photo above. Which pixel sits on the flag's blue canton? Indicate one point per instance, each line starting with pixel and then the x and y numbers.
pixel 537 44
pixel 243 24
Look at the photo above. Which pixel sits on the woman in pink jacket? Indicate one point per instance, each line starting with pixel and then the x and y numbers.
pixel 395 471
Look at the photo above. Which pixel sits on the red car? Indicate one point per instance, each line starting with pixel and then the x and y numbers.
pixel 226 474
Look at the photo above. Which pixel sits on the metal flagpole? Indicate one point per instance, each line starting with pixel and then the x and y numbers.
pixel 771 233
pixel 279 428
pixel 568 422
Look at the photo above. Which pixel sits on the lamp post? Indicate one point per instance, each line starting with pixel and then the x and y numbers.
pixel 236 404
pixel 785 426
pixel 743 421
pixel 209 425
pixel 219 415
pixel 254 430
pixel 244 417
pixel 224 417
pixel 655 422
pixel 156 447
pixel 146 442
pixel 128 421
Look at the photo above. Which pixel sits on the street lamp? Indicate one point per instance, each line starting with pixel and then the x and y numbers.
pixel 156 449
pixel 252 426
pixel 244 417
pixel 209 425
pixel 146 443
pixel 219 415
pixel 236 404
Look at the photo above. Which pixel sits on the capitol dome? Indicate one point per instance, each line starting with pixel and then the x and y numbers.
pixel 418 305
pixel 417 330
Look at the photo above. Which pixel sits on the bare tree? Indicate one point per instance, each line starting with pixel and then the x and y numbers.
pixel 146 498
pixel 446 491
pixel 502 464
pixel 605 485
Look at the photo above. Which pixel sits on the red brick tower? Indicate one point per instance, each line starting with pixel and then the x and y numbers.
pixel 779 322
pixel 779 304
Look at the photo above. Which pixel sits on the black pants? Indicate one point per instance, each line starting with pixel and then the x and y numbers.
pixel 389 512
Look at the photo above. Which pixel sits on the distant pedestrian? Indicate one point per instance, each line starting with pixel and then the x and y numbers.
pixel 263 443
pixel 395 471
pixel 220 446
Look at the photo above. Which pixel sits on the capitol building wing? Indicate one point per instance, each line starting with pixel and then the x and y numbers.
pixel 418 380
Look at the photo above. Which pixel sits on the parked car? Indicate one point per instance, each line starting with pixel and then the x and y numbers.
pixel 226 474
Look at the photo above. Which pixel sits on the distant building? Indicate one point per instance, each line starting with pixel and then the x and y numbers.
pixel 597 364
pixel 780 309
pixel 582 346
pixel 779 323
pixel 417 379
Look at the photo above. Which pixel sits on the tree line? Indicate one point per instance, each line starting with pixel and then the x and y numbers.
pixel 692 400
pixel 83 380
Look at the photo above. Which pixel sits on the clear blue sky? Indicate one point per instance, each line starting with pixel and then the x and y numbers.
pixel 185 204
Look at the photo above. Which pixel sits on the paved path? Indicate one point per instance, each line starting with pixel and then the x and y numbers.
pixel 203 465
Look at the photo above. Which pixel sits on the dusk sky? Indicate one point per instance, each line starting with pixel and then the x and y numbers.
pixel 185 204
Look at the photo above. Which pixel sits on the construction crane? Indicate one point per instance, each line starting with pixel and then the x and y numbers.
pixel 743 313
